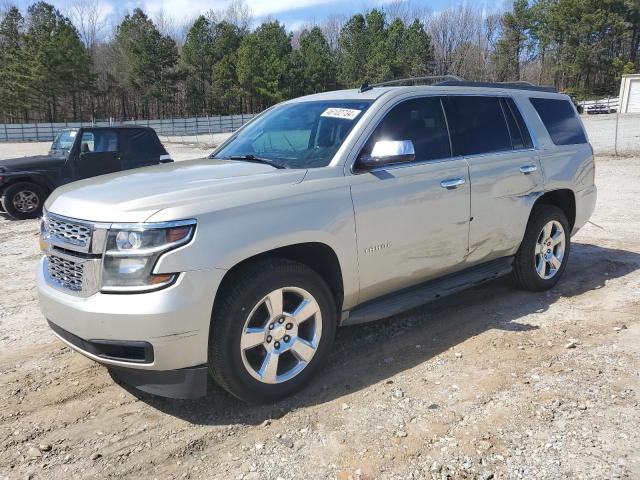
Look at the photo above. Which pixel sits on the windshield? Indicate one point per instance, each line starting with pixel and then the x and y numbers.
pixel 297 135
pixel 64 140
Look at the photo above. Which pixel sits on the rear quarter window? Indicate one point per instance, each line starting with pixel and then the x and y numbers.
pixel 561 121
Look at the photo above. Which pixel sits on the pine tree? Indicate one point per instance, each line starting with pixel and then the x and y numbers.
pixel 263 62
pixel 58 64
pixel 13 72
pixel 149 62
pixel 318 65
pixel 198 56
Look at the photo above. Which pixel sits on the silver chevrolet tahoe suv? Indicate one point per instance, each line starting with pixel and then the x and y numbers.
pixel 328 210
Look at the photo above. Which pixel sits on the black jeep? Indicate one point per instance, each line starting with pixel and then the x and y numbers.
pixel 75 154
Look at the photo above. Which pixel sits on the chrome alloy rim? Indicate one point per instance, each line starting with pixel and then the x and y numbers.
pixel 550 248
pixel 26 201
pixel 281 335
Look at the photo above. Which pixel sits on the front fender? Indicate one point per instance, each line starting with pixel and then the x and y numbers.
pixel 32 176
pixel 227 237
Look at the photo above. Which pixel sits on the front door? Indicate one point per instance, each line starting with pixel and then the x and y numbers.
pixel 98 154
pixel 412 219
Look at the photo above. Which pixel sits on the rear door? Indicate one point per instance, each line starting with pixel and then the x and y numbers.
pixel 98 154
pixel 412 219
pixel 503 169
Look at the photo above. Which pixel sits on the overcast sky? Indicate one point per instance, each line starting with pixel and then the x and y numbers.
pixel 292 13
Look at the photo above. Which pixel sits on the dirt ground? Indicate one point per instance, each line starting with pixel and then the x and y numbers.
pixel 491 383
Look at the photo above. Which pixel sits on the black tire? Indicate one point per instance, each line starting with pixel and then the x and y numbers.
pixel 244 292
pixel 524 265
pixel 12 208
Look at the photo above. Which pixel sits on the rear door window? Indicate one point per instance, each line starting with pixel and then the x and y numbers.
pixel 477 125
pixel 561 120
pixel 520 137
pixel 420 120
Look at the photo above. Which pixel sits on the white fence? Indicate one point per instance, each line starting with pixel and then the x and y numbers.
pixel 45 132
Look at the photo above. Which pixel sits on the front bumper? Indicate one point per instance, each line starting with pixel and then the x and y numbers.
pixel 173 322
pixel 183 383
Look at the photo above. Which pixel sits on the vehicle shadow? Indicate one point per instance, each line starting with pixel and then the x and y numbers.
pixel 367 354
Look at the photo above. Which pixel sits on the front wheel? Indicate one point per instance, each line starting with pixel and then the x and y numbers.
pixel 271 330
pixel 23 200
pixel 544 251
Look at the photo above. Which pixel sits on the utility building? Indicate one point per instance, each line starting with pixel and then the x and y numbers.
pixel 630 94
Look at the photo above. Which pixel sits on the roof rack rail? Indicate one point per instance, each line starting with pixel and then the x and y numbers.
pixel 433 78
pixel 516 85
pixel 365 86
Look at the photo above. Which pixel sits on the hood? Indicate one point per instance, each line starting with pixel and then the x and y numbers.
pixel 37 162
pixel 135 195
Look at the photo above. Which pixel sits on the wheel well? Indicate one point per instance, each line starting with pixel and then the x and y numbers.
pixel 564 199
pixel 14 180
pixel 318 256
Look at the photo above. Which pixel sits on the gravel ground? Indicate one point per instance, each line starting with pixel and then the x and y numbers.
pixel 491 383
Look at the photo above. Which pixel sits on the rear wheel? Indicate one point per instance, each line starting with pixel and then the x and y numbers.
pixel 544 251
pixel 23 200
pixel 271 331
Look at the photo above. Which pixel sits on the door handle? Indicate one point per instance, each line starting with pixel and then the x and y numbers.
pixel 528 168
pixel 451 183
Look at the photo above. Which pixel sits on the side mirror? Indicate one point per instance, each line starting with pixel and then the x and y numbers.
pixel 84 147
pixel 388 152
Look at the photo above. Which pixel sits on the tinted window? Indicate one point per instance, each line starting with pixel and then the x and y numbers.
pixel 101 140
pixel 520 137
pixel 420 120
pixel 560 120
pixel 477 125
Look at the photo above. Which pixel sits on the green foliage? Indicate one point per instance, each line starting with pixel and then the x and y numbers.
pixel 13 69
pixel 263 63
pixel 515 27
pixel 46 73
pixel 198 57
pixel 318 72
pixel 582 45
pixel 44 66
pixel 149 60
pixel 372 50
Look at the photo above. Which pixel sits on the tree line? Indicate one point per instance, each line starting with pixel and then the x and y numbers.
pixel 57 66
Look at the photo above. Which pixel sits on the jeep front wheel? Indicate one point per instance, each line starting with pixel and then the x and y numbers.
pixel 23 200
pixel 271 330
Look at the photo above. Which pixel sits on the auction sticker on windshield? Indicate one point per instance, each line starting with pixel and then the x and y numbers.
pixel 344 113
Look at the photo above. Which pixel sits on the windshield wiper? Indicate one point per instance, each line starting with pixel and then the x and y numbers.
pixel 253 158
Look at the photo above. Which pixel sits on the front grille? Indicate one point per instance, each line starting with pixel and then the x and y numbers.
pixel 68 232
pixel 66 273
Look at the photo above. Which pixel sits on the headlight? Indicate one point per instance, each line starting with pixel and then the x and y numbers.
pixel 132 251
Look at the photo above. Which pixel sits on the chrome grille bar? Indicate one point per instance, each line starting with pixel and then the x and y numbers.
pixel 69 233
pixel 66 273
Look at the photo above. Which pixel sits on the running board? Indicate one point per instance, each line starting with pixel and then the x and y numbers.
pixel 413 297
